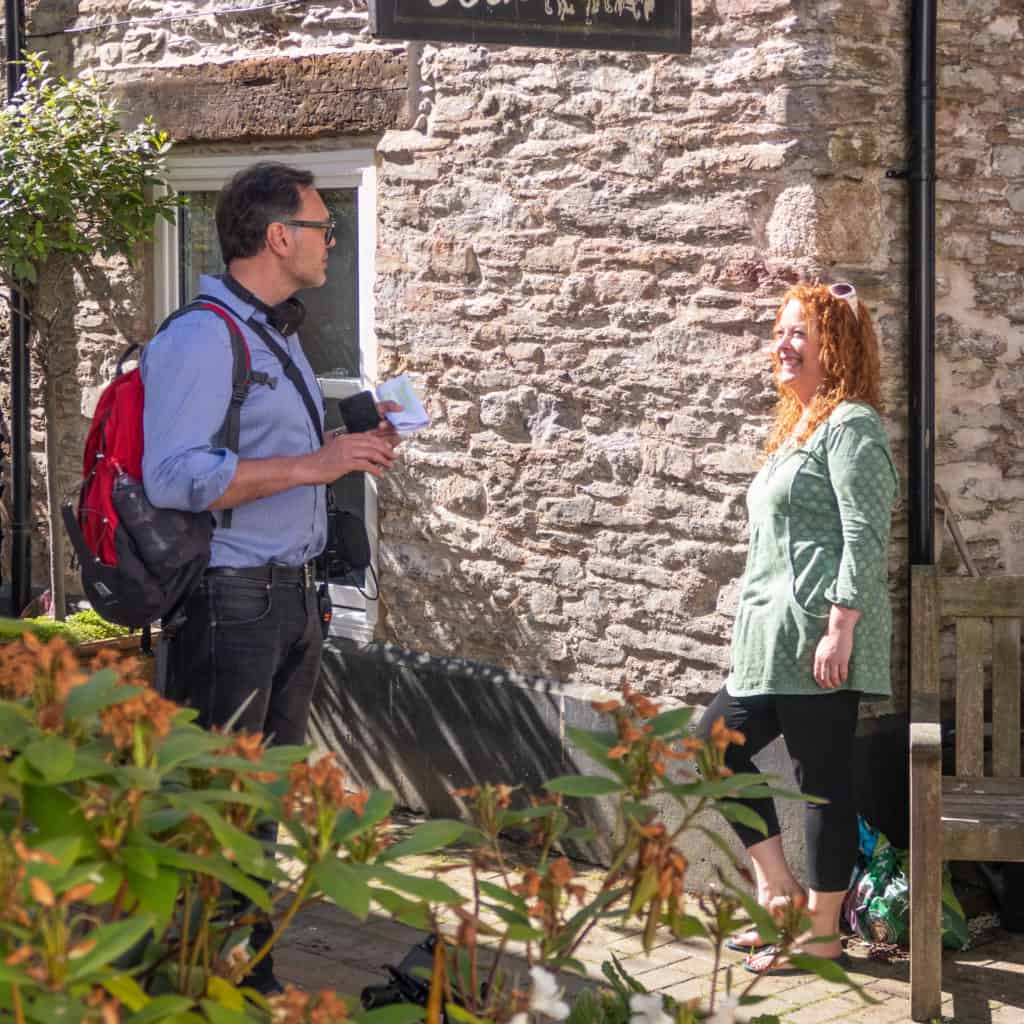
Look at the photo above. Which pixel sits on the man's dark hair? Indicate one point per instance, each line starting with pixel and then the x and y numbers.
pixel 253 200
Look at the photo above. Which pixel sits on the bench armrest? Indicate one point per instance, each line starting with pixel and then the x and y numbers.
pixel 925 742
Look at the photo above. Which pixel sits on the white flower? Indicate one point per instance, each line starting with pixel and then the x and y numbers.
pixel 545 996
pixel 648 1009
pixel 725 1011
pixel 520 1018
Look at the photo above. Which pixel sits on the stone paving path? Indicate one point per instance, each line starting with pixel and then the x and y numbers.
pixel 326 947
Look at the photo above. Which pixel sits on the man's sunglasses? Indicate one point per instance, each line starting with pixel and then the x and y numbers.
pixel 327 226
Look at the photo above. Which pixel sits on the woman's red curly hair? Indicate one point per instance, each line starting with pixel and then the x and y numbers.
pixel 848 352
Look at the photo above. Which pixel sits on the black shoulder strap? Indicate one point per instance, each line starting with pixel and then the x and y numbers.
pixel 292 372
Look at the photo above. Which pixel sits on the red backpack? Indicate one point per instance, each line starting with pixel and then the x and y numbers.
pixel 139 562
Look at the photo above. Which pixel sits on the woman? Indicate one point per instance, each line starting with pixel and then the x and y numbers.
pixel 813 629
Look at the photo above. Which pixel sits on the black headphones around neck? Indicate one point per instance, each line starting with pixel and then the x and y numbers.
pixel 286 317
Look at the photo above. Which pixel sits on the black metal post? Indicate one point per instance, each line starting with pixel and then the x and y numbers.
pixel 21 407
pixel 921 273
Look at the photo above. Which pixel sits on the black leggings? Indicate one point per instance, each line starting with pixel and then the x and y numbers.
pixel 819 733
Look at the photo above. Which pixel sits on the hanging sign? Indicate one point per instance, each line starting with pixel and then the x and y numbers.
pixel 654 26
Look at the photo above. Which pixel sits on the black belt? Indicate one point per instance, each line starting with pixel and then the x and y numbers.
pixel 272 574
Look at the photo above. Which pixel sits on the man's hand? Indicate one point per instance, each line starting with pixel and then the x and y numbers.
pixel 369 452
pixel 384 429
pixel 832 655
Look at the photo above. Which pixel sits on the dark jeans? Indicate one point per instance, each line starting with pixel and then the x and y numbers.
pixel 819 731
pixel 247 638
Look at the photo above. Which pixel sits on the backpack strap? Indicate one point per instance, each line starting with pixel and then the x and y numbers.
pixel 243 376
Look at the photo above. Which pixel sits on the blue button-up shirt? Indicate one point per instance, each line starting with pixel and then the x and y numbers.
pixel 186 372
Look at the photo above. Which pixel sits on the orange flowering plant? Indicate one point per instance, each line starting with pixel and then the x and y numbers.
pixel 130 871
pixel 647 763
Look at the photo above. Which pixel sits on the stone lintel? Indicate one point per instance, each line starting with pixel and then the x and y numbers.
pixel 358 92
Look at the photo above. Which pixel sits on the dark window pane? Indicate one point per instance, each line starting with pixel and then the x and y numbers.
pixel 330 333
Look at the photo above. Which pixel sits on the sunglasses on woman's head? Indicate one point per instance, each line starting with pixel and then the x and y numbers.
pixel 847 293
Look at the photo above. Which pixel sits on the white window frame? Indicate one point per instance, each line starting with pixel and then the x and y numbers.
pixel 354 616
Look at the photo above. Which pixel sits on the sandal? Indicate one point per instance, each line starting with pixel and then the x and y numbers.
pixel 777 905
pixel 785 968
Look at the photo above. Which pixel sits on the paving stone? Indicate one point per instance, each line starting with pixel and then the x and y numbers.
pixel 821 1010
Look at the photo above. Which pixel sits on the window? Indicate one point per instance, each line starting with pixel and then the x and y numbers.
pixel 337 334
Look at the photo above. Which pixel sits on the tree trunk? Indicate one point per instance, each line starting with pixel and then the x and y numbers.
pixel 57 594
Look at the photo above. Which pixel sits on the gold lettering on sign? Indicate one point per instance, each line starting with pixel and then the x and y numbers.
pixel 642 10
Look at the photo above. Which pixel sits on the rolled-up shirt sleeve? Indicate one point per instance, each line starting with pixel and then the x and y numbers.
pixel 864 483
pixel 186 373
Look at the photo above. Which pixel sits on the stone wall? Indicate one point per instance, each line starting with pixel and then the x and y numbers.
pixel 579 259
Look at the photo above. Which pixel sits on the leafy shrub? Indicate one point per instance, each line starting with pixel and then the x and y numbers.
pixel 130 876
pixel 80 628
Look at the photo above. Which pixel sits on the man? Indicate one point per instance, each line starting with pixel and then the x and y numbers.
pixel 252 629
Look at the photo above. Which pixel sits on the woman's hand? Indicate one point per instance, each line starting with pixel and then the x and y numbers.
pixel 832 655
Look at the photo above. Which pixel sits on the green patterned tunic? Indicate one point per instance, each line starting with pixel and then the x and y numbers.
pixel 819 535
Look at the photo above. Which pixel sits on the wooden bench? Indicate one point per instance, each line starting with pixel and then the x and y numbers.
pixel 977 814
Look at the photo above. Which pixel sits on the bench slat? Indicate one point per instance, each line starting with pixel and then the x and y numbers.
pixel 998 596
pixel 970 696
pixel 954 786
pixel 1006 698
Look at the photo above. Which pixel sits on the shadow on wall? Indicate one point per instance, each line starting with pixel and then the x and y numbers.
pixel 423 726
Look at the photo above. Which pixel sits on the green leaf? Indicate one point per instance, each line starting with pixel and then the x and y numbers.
pixel 140 861
pixel 398 1013
pixel 761 918
pixel 157 896
pixel 218 1014
pixel 15 724
pixel 235 845
pixel 496 892
pixel 112 877
pixel 127 990
pixel 184 743
pixel 216 867
pixel 350 824
pixel 584 785
pixel 111 941
pixel 523 933
pixel 413 914
pixel 161 1010
pixel 596 744
pixel 511 915
pixel 56 815
pixel 742 814
pixel 345 885
pixel 65 849
pixel 101 691
pixel 686 926
pixel 225 993
pixel 455 1012
pixel 12 976
pixel 670 721
pixel 52 756
pixel 429 889
pixel 425 838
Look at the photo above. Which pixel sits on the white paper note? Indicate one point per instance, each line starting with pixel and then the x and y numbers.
pixel 413 416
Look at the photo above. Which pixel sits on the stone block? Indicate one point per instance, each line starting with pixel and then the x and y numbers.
pixel 354 92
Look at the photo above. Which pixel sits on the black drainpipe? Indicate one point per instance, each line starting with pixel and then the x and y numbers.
pixel 21 467
pixel 921 272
